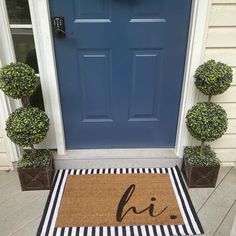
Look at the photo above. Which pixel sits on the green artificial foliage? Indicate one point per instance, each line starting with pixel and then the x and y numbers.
pixel 18 80
pixel 27 126
pixel 206 121
pixel 41 159
pixel 213 78
pixel 207 158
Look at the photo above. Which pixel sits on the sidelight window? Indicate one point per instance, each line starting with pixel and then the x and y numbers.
pixel 23 40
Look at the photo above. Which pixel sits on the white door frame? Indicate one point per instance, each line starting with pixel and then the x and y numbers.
pixel 198 27
pixel 41 22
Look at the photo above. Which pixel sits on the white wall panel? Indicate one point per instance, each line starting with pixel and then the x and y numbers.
pixel 231 126
pixel 230 108
pixel 226 141
pixel 226 155
pixel 221 37
pixel 228 96
pixel 225 55
pixel 223 15
pixel 2 146
pixel 224 1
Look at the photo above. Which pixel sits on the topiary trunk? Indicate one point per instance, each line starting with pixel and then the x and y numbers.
pixel 25 101
pixel 202 146
pixel 33 151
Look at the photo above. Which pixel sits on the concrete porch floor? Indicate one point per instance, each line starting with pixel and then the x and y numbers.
pixel 20 212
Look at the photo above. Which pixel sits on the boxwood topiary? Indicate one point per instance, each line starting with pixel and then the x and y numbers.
pixel 206 121
pixel 195 158
pixel 27 126
pixel 18 80
pixel 213 78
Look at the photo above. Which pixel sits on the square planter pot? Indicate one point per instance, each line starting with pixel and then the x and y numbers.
pixel 36 178
pixel 198 176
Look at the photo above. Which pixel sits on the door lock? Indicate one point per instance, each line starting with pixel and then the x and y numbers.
pixel 58 26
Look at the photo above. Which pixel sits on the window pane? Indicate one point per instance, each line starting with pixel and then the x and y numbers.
pixel 24 47
pixel 18 11
pixel 25 52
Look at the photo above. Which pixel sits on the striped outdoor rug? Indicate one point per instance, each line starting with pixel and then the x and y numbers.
pixel 53 213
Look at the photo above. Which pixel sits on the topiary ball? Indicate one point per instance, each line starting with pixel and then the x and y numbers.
pixel 27 126
pixel 206 121
pixel 18 80
pixel 213 78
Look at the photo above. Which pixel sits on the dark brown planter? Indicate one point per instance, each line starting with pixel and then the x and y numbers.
pixel 36 178
pixel 198 176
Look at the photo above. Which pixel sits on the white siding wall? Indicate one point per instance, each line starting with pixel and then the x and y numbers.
pixel 221 46
pixel 4 163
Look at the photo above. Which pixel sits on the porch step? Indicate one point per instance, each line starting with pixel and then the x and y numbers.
pixel 117 158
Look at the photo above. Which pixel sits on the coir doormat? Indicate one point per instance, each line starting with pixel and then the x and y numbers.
pixel 119 202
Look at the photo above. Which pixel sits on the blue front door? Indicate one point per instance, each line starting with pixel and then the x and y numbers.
pixel 120 69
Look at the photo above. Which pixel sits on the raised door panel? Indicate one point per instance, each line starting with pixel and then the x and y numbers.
pixel 149 10
pixel 94 69
pixel 145 83
pixel 92 9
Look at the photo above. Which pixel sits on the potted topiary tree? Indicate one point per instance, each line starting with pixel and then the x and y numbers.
pixel 206 122
pixel 27 126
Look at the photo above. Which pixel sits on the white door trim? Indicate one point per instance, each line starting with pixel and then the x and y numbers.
pixel 194 57
pixel 41 24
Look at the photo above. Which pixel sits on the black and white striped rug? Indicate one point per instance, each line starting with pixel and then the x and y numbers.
pixel 191 226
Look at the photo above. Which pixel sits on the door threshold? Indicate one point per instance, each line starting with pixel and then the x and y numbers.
pixel 117 158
